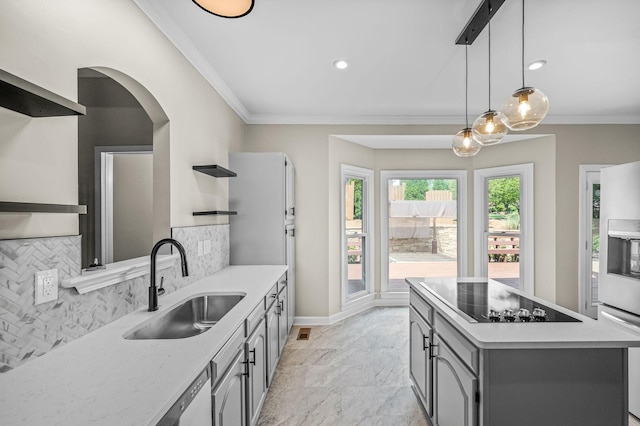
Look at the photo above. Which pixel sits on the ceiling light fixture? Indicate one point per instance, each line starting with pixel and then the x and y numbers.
pixel 464 143
pixel 226 8
pixel 489 128
pixel 536 65
pixel 341 64
pixel 527 106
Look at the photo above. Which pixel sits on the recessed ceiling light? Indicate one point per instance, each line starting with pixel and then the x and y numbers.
pixel 341 64
pixel 536 65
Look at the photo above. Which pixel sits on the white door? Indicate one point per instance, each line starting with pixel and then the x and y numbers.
pixel 589 243
pixel 503 199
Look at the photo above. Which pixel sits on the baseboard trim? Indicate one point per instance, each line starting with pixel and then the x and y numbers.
pixel 353 310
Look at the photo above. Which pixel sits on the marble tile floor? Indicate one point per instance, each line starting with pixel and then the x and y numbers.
pixel 355 372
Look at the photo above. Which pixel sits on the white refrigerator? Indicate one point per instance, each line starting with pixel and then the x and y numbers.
pixel 619 285
pixel 263 231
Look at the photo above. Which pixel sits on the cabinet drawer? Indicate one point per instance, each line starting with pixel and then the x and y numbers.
pixel 254 318
pixel 463 348
pixel 223 359
pixel 271 296
pixel 423 308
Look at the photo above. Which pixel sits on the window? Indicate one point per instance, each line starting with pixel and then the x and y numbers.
pixel 423 227
pixel 503 199
pixel 357 238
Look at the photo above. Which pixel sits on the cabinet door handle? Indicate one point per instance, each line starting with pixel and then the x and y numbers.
pixel 246 364
pixel 253 352
pixel 431 355
pixel 425 342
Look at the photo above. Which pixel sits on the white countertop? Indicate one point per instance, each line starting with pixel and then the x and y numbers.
pixel 588 333
pixel 104 379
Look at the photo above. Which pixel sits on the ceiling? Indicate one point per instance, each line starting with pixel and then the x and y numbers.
pixel 275 64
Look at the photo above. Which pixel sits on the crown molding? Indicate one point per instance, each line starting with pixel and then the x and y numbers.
pixel 172 31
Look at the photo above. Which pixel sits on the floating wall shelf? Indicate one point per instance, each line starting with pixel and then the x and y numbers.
pixel 214 212
pixel 12 207
pixel 215 171
pixel 27 98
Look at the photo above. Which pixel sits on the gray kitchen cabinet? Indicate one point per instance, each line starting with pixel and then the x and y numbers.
pixel 228 397
pixel 283 323
pixel 420 362
pixel 273 332
pixel 455 389
pixel 443 367
pixel 256 351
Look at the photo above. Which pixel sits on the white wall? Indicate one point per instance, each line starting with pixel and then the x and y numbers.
pixel 46 43
pixel 556 158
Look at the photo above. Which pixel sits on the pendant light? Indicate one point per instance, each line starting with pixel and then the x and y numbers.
pixel 527 106
pixel 226 8
pixel 464 144
pixel 489 128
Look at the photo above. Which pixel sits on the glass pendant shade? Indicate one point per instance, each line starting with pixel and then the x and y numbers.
pixel 226 8
pixel 464 145
pixel 525 109
pixel 489 128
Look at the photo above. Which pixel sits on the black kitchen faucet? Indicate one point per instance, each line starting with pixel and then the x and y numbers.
pixel 153 290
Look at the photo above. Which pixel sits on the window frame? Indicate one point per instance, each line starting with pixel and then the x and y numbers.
pixel 348 171
pixel 480 178
pixel 462 241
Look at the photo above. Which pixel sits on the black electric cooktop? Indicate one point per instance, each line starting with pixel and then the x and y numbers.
pixel 491 301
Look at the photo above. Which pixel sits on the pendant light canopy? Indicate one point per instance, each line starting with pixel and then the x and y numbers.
pixel 489 128
pixel 464 143
pixel 226 8
pixel 527 106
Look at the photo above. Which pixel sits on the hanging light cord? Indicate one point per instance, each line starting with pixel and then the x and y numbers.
pixel 522 43
pixel 489 29
pixel 466 84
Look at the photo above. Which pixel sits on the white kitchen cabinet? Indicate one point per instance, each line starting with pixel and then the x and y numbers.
pixel 420 362
pixel 256 351
pixel 228 397
pixel 455 389
pixel 263 232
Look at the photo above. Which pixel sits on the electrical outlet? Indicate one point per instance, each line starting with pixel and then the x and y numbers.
pixel 46 286
pixel 207 246
pixel 200 248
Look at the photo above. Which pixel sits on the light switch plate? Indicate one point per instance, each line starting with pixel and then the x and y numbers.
pixel 46 286
pixel 207 246
pixel 200 245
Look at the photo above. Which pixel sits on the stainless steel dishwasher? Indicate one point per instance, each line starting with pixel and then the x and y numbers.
pixel 193 408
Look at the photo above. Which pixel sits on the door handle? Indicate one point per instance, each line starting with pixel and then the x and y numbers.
pixel 253 352
pixel 246 364
pixel 425 342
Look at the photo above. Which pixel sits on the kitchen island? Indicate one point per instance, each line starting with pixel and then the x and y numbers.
pixel 479 356
pixel 105 379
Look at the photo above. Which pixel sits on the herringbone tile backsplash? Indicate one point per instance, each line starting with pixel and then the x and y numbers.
pixel 28 331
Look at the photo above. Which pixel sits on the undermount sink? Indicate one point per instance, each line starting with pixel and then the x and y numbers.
pixel 192 317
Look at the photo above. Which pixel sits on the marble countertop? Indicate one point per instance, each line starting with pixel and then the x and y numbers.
pixel 104 379
pixel 588 333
